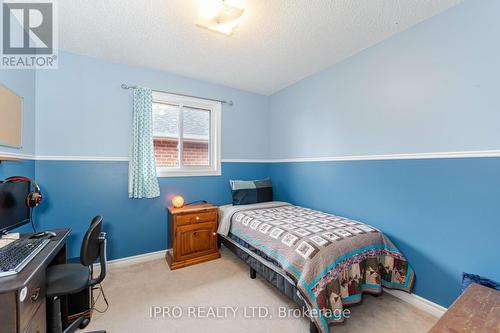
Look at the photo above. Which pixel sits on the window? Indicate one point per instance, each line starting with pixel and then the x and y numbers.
pixel 186 135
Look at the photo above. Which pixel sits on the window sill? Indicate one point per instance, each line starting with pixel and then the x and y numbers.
pixel 187 173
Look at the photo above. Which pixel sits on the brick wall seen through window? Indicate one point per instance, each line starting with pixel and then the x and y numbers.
pixel 166 152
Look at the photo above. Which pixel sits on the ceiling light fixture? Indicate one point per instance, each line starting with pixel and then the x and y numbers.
pixel 219 16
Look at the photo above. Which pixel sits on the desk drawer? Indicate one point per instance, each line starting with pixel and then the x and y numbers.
pixel 30 300
pixel 38 322
pixel 196 218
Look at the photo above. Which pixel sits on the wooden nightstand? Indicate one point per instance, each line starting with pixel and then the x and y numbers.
pixel 193 231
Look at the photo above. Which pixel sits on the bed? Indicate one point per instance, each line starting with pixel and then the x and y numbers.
pixel 321 261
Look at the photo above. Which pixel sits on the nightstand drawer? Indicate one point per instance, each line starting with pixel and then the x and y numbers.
pixel 196 218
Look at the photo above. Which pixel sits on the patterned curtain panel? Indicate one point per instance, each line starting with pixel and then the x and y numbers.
pixel 143 182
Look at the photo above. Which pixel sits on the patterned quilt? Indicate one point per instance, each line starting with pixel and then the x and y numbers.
pixel 333 259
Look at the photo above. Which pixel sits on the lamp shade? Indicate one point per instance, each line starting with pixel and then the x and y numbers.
pixel 177 201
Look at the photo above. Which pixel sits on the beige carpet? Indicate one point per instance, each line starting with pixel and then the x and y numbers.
pixel 133 290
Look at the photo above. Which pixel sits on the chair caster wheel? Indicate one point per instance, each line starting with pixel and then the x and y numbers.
pixel 84 323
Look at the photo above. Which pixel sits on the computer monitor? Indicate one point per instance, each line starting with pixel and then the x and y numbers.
pixel 13 209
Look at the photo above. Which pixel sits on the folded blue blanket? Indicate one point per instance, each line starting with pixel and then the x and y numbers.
pixel 472 278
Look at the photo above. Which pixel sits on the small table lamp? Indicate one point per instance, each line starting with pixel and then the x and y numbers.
pixel 177 201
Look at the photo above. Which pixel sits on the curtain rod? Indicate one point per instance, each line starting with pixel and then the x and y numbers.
pixel 230 103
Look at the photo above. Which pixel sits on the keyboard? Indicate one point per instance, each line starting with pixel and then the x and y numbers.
pixel 16 255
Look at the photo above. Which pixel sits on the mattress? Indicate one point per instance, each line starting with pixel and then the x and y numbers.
pixel 332 260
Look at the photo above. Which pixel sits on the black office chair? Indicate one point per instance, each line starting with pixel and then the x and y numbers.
pixel 70 279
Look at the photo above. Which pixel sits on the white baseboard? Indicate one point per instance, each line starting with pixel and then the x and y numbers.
pixel 421 303
pixel 127 261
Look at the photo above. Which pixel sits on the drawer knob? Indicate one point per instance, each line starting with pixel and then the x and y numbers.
pixel 214 233
pixel 197 218
pixel 34 296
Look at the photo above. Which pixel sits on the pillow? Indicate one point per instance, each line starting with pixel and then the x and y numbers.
pixel 251 191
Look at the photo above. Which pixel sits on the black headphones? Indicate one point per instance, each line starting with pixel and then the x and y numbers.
pixel 34 197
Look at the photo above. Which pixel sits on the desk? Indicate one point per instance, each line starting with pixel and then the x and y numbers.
pixel 29 315
pixel 477 310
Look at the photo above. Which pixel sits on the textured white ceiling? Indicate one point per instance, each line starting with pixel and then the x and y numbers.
pixel 277 43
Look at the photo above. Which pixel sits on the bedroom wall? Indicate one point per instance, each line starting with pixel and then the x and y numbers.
pixel 82 102
pixel 83 130
pixel 22 82
pixel 431 89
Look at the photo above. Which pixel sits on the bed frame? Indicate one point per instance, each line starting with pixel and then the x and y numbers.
pixel 272 273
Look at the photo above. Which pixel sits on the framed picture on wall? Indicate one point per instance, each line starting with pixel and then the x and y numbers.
pixel 11 118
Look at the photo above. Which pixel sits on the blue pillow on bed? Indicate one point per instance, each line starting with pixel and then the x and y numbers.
pixel 251 191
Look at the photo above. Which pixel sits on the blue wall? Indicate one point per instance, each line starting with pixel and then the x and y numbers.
pixel 441 213
pixel 83 111
pixel 18 168
pixel 433 88
pixel 76 191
